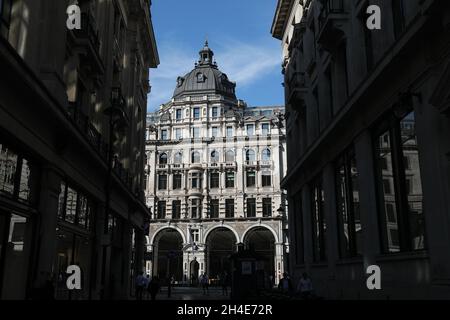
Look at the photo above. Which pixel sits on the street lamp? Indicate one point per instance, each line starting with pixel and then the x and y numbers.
pixel 280 211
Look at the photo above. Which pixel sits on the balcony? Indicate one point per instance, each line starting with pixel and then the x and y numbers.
pixel 230 165
pixel 266 164
pixel 177 166
pixel 87 42
pixel 297 87
pixel 84 125
pixel 213 165
pixel 331 23
pixel 163 167
pixel 251 163
pixel 122 173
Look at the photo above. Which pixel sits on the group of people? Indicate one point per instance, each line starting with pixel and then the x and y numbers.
pixel 304 286
pixel 223 278
pixel 146 285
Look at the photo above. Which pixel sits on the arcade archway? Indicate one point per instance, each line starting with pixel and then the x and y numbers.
pixel 262 241
pixel 221 243
pixel 168 251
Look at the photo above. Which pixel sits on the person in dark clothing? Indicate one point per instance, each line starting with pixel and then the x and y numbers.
pixel 169 287
pixel 285 284
pixel 154 288
pixel 224 280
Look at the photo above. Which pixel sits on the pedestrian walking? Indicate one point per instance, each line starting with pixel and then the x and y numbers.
pixel 305 287
pixel 154 287
pixel 169 287
pixel 285 284
pixel 140 285
pixel 204 281
pixel 224 279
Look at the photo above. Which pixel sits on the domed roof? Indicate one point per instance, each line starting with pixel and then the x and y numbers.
pixel 205 78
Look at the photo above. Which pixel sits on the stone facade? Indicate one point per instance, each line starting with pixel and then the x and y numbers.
pixel 72 135
pixel 214 164
pixel 367 120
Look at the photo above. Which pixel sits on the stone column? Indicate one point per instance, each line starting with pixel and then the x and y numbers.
pixel 329 186
pixel 48 208
pixel 279 261
pixel 368 200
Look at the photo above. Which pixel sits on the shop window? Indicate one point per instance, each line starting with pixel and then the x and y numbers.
pixel 15 175
pixel 74 207
pixel 15 243
pixel 318 221
pixel 400 197
pixel 347 195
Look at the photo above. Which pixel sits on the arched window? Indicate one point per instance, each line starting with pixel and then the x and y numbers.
pixel 229 156
pixel 195 157
pixel 163 158
pixel 214 156
pixel 178 158
pixel 266 155
pixel 250 155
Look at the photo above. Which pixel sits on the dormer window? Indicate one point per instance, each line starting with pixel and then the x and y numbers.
pixel 180 81
pixel 200 77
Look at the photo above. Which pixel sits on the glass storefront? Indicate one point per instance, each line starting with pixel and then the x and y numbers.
pixel 15 243
pixel 17 178
pixel 74 242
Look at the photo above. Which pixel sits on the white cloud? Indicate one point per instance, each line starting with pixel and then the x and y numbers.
pixel 244 63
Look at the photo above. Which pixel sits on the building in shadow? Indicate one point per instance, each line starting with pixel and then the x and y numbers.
pixel 72 134
pixel 367 124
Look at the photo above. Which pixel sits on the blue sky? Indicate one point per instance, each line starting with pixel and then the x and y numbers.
pixel 238 32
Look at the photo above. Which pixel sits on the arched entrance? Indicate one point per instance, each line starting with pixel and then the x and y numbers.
pixel 262 241
pixel 221 243
pixel 169 254
pixel 194 268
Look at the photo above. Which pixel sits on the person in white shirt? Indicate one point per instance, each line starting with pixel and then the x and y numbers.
pixel 305 287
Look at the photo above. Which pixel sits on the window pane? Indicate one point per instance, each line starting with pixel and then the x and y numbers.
pixel 176 209
pixel 161 209
pixel 24 186
pixel 413 181
pixel 214 209
pixel 16 259
pixel 319 226
pixel 230 180
pixel 229 208
pixel 267 207
pixel 8 165
pixel 388 201
pixel 343 219
pixel 71 207
pixel 251 207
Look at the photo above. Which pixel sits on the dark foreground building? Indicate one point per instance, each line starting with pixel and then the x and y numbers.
pixel 72 136
pixel 368 139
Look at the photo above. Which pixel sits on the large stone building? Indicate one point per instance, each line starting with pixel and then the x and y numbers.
pixel 214 173
pixel 367 117
pixel 72 134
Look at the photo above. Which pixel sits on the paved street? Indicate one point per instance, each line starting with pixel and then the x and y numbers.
pixel 192 293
